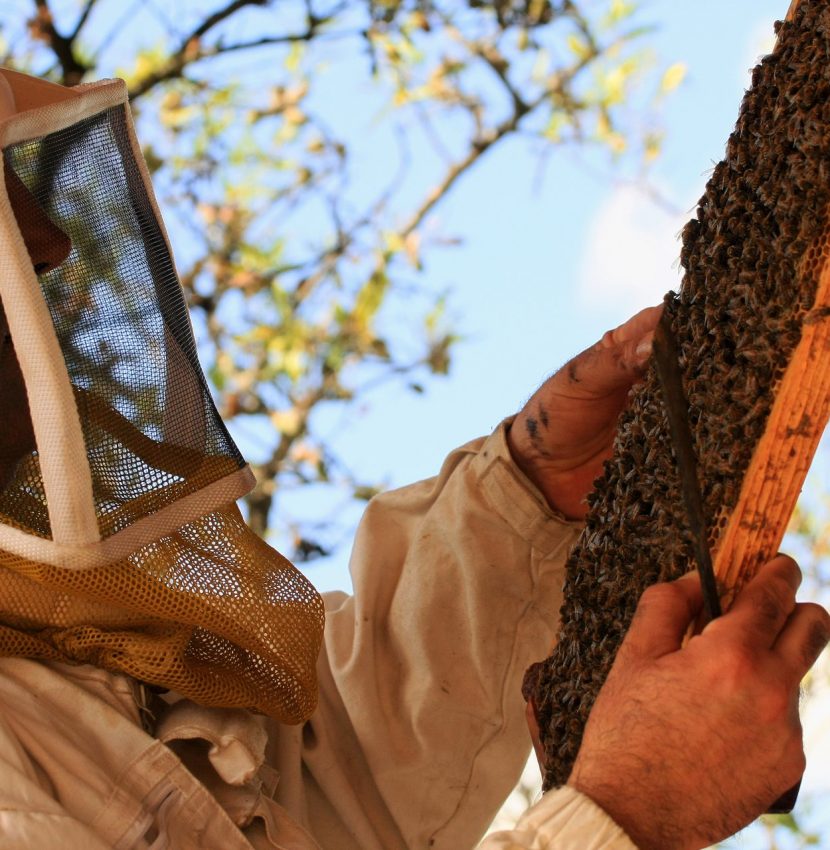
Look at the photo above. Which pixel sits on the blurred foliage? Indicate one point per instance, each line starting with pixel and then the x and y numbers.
pixel 298 268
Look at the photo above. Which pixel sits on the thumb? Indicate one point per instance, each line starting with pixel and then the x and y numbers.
pixel 663 616
pixel 618 360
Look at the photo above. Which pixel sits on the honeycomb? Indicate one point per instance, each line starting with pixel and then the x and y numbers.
pixel 752 258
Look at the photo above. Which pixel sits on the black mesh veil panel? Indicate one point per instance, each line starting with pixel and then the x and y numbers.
pixel 150 426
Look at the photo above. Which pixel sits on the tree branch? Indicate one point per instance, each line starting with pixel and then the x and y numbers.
pixel 191 50
pixel 486 140
pixel 42 28
pixel 497 63
pixel 82 19
pixel 260 500
pixel 479 147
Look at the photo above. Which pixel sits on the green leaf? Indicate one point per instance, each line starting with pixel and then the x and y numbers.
pixel 370 297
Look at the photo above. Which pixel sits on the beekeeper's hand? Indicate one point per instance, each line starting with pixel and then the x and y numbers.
pixel 565 432
pixel 685 745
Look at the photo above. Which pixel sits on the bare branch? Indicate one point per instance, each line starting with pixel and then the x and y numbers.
pixel 82 19
pixel 557 84
pixel 106 40
pixel 478 148
pixel 260 500
pixel 497 63
pixel 431 133
pixel 192 50
pixel 42 28
pixel 220 15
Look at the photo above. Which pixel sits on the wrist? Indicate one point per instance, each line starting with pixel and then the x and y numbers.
pixel 634 811
pixel 563 489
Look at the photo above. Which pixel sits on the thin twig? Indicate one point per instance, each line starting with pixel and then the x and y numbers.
pixel 485 141
pixel 43 27
pixel 82 19
pixel 191 50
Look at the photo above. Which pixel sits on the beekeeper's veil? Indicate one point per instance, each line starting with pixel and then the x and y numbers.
pixel 120 544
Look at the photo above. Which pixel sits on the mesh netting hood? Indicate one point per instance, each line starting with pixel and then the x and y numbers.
pixel 120 542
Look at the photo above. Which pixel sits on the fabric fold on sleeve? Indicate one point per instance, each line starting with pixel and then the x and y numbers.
pixel 563 819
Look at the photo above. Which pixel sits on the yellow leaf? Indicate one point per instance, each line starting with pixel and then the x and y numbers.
pixel 306 453
pixel 673 77
pixel 286 421
pixel 541 65
pixel 293 364
pixel 294 58
pixel 419 20
pixel 578 47
pixel 620 9
pixel 393 242
pixel 370 296
pixel 412 246
pixel 294 115
pixel 617 143
pixel 603 127
pixel 614 84
pixel 557 122
pixel 651 146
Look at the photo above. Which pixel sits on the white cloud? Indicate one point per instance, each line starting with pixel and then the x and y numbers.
pixel 631 253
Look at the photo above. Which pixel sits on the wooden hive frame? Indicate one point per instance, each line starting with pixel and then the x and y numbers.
pixel 782 457
pixel 752 321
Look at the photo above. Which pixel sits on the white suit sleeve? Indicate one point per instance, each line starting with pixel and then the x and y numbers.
pixel 420 732
pixel 562 820
pixel 30 817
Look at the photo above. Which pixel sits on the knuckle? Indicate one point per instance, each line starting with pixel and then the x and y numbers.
pixel 662 593
pixel 797 760
pixel 609 339
pixel 655 598
pixel 774 707
pixel 818 635
pixel 771 600
pixel 790 567
pixel 793 762
pixel 737 668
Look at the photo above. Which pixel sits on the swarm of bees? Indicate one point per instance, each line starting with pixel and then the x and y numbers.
pixel 752 257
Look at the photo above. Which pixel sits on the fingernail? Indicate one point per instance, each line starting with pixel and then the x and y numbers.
pixel 643 350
